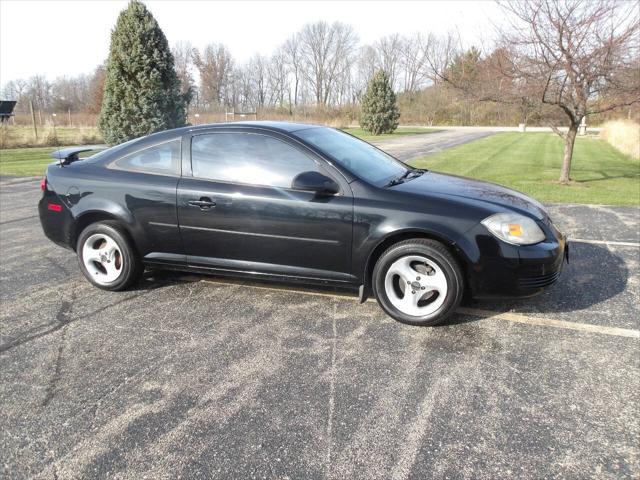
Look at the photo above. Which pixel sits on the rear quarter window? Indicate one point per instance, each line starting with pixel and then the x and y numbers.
pixel 161 159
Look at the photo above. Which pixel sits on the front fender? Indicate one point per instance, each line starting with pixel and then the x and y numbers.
pixel 380 222
pixel 369 249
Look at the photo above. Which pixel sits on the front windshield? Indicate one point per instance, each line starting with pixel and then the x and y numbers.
pixel 360 158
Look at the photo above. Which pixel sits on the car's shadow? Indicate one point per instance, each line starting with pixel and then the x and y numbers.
pixel 156 279
pixel 594 275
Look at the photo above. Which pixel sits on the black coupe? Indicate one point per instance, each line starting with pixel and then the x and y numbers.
pixel 297 202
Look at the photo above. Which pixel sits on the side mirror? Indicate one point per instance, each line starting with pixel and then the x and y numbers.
pixel 315 182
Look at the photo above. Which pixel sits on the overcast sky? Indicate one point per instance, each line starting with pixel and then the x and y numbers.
pixel 57 38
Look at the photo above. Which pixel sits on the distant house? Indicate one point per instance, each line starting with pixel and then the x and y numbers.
pixel 6 109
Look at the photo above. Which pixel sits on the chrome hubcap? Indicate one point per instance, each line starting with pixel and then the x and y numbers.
pixel 416 285
pixel 102 258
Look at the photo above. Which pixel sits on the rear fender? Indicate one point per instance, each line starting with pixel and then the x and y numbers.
pixel 93 210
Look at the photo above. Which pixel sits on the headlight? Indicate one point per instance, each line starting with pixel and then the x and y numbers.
pixel 514 228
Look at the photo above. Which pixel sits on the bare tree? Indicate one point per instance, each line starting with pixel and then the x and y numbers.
pixel 293 59
pixel 326 51
pixel 571 54
pixel 183 60
pixel 389 53
pixel 96 89
pixel 215 65
pixel 562 59
pixel 440 53
pixel 346 90
pixel 39 92
pixel 365 66
pixel 242 94
pixel 16 90
pixel 63 94
pixel 70 93
pixel 257 71
pixel 277 78
pixel 413 61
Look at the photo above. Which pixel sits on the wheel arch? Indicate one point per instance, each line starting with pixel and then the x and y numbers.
pixel 94 216
pixel 400 236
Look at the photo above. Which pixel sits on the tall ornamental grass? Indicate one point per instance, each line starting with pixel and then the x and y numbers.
pixel 623 135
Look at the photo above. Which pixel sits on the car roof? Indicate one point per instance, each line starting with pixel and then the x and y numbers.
pixel 264 124
pixel 282 127
pixel 127 147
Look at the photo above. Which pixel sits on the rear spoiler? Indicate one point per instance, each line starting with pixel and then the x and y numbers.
pixel 71 154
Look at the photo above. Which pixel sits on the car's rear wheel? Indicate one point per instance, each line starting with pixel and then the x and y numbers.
pixel 418 282
pixel 107 258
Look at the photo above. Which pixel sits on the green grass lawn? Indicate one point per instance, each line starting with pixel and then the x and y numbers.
pixel 33 161
pixel 530 163
pixel 25 162
pixel 360 133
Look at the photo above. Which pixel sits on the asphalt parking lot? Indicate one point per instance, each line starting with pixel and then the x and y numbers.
pixel 188 376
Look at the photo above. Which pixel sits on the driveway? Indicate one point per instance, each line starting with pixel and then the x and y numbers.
pixel 201 377
pixel 409 147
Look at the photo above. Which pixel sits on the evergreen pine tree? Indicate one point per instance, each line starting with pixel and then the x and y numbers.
pixel 379 110
pixel 141 90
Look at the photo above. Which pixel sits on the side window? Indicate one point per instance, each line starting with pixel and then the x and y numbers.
pixel 247 158
pixel 162 159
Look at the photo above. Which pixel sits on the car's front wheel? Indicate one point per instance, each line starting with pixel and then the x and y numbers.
pixel 107 258
pixel 418 282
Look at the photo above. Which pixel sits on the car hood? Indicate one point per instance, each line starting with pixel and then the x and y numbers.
pixel 453 186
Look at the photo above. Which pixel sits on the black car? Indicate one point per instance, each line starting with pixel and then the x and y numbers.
pixel 297 202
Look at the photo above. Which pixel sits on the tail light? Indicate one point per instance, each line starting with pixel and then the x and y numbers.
pixel 43 184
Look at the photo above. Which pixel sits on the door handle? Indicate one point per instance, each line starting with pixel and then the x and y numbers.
pixel 204 203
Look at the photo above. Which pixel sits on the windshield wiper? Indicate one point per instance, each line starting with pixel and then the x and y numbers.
pixel 409 174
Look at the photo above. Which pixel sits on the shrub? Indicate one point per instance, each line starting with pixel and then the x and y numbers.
pixel 141 90
pixel 379 110
pixel 51 139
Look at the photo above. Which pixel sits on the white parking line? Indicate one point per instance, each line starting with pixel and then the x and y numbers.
pixel 475 312
pixel 550 322
pixel 604 242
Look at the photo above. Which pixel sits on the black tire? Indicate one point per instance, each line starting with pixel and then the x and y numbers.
pixel 433 251
pixel 131 266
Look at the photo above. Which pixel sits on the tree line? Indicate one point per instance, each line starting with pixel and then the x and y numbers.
pixel 81 93
pixel 321 65
pixel 324 66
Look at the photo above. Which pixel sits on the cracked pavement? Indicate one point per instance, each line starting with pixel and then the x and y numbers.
pixel 186 377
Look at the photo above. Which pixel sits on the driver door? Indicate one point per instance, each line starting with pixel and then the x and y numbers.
pixel 237 210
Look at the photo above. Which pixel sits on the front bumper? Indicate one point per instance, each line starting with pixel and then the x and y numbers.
pixel 505 270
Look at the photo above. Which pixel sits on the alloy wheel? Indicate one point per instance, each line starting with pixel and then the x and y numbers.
pixel 416 285
pixel 102 258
